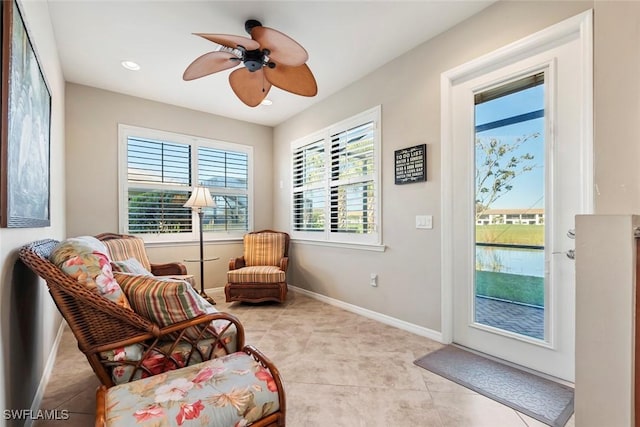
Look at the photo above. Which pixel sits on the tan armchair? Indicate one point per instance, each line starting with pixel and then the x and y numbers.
pixel 260 274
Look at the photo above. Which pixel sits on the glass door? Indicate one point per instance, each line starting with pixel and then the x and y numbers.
pixel 516 171
pixel 509 281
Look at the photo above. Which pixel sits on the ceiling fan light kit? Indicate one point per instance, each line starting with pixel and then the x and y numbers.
pixel 269 58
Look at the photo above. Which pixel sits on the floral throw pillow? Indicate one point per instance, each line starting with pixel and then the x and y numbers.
pixel 82 259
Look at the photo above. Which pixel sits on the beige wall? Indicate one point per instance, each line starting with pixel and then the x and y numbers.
pixel 408 89
pixel 29 319
pixel 92 118
pixel 617 107
pixel 605 248
pixel 605 309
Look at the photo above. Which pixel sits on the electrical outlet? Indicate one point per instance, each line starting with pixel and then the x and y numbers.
pixel 373 279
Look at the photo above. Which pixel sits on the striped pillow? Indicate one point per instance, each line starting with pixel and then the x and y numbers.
pixel 263 248
pixel 124 249
pixel 163 301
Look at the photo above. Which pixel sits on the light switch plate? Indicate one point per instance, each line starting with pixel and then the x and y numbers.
pixel 424 221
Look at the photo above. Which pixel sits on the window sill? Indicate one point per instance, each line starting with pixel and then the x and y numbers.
pixel 358 246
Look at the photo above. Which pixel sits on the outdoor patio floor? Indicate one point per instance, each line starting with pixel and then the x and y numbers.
pixel 518 318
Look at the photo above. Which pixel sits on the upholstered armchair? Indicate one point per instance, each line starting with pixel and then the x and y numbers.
pixel 260 274
pixel 123 248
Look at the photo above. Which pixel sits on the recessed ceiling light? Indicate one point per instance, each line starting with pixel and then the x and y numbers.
pixel 130 65
pixel 266 102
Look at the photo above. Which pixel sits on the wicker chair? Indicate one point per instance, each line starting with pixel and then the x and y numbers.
pixel 260 274
pixel 101 325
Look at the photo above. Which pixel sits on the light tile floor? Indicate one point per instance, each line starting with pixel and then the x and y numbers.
pixel 339 368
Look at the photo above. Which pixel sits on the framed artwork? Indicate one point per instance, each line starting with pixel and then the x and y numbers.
pixel 411 164
pixel 25 130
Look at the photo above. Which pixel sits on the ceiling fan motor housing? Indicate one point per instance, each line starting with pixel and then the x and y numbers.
pixel 253 60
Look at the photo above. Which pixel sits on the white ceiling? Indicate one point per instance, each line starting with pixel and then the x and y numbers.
pixel 345 40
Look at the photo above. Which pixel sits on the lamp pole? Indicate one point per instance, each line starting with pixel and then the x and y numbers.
pixel 201 198
pixel 202 292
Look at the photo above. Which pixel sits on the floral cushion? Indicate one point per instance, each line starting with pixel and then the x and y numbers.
pixel 166 301
pixel 85 259
pixel 158 362
pixel 234 390
pixel 258 274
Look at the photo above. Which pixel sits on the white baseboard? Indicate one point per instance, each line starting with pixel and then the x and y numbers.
pixel 382 318
pixel 46 374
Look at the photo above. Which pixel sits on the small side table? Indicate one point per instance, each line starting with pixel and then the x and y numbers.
pixel 203 294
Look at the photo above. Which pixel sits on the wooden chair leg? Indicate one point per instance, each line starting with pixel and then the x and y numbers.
pixel 101 404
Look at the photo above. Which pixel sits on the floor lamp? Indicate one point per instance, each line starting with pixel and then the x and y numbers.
pixel 201 198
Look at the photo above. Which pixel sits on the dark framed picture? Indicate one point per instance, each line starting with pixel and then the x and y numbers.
pixel 411 164
pixel 25 130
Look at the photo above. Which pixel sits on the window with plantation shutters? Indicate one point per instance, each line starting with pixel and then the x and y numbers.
pixel 335 182
pixel 160 169
pixel 225 173
pixel 152 165
pixel 353 187
pixel 309 187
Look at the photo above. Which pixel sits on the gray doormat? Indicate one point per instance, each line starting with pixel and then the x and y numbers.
pixel 537 397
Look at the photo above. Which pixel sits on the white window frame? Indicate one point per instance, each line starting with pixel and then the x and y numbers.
pixel 372 240
pixel 127 131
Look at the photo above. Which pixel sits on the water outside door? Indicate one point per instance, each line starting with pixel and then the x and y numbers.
pixel 520 143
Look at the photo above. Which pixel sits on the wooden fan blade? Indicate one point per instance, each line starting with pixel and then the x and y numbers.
pixel 231 41
pixel 283 49
pixel 298 80
pixel 210 63
pixel 250 87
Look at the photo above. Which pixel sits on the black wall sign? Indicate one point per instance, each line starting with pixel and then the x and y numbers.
pixel 411 164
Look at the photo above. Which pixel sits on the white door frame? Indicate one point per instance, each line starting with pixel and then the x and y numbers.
pixel 582 25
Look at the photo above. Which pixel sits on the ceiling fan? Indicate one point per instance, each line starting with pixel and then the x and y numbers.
pixel 269 57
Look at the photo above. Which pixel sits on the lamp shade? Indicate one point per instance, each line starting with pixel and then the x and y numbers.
pixel 200 198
